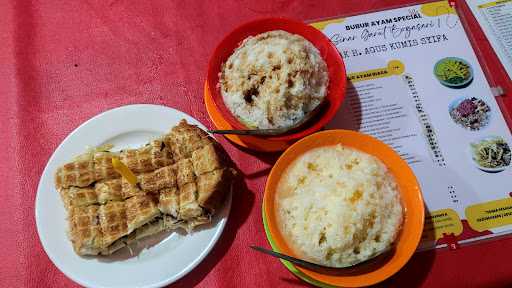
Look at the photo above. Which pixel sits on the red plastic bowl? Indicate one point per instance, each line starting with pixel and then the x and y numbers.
pixel 331 56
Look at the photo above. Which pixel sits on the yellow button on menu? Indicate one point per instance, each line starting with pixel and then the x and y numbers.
pixel 485 216
pixel 396 67
pixel 439 222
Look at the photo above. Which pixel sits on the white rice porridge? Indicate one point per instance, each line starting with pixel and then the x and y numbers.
pixel 338 206
pixel 273 80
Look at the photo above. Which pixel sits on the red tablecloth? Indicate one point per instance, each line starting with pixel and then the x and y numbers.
pixel 62 62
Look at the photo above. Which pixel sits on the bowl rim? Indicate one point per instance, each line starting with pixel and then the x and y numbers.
pixel 335 68
pixel 290 266
pixel 245 141
pixel 412 200
pixel 458 59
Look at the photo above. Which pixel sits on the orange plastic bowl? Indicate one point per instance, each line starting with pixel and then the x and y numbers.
pixel 412 201
pixel 331 56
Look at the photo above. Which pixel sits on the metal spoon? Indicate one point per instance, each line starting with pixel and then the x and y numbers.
pixel 325 269
pixel 275 131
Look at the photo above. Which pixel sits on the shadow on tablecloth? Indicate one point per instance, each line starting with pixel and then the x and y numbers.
pixel 242 204
pixel 416 271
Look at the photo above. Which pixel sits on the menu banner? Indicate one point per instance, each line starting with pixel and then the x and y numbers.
pixel 416 84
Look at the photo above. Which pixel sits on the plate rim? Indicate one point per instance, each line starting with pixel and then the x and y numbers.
pixel 213 240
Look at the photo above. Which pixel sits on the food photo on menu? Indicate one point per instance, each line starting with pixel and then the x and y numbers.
pixel 291 144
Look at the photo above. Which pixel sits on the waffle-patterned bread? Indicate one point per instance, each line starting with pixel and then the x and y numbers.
pixel 79 173
pixel 148 158
pixel 113 221
pixel 85 230
pixel 182 179
pixel 96 166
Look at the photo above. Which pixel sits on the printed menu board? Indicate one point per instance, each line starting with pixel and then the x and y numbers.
pixel 495 17
pixel 416 84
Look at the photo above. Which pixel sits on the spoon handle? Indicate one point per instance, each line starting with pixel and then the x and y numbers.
pixel 274 131
pixel 263 132
pixel 347 270
pixel 294 260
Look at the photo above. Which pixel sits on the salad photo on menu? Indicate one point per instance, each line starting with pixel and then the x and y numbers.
pixel 491 154
pixel 470 113
pixel 453 72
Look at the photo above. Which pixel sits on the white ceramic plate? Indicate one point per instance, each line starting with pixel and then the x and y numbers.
pixel 161 259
